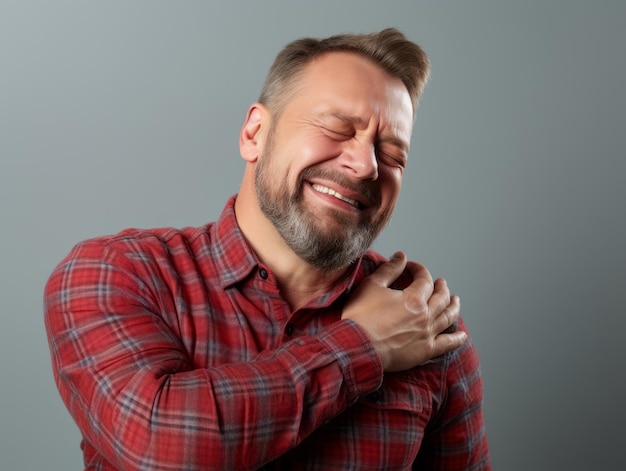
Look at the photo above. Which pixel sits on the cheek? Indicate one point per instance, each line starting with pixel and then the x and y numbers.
pixel 390 183
pixel 312 149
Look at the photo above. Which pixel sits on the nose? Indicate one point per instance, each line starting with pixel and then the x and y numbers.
pixel 360 160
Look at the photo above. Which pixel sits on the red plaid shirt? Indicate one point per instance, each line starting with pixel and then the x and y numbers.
pixel 173 350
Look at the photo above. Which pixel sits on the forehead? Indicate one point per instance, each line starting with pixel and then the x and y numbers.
pixel 353 85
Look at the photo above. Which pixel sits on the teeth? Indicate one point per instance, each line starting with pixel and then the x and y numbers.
pixel 339 196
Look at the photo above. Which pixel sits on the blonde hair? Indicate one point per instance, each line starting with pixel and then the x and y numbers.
pixel 389 48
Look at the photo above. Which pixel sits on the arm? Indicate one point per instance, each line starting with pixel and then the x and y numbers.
pixel 456 438
pixel 141 403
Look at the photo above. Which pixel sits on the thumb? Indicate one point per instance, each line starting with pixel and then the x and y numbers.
pixel 389 271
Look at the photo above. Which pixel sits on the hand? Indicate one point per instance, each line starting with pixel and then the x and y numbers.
pixel 407 327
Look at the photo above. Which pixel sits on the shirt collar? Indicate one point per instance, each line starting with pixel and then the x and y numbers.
pixel 234 257
pixel 236 260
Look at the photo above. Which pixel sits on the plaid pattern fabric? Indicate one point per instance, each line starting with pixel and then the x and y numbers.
pixel 173 350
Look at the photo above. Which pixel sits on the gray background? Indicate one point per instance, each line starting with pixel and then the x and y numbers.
pixel 117 114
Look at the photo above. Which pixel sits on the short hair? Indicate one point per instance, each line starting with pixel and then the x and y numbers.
pixel 389 48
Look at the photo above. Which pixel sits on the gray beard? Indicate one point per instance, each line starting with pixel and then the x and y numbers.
pixel 325 247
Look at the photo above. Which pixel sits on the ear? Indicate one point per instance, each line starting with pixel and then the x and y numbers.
pixel 253 131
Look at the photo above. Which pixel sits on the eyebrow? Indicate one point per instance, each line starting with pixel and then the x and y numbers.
pixel 360 122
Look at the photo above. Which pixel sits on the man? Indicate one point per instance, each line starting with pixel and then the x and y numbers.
pixel 274 338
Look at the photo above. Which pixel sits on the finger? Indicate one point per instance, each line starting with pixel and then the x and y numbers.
pixel 419 273
pixel 448 316
pixel 389 271
pixel 421 288
pixel 445 343
pixel 440 298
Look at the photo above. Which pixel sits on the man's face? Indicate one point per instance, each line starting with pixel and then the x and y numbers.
pixel 330 172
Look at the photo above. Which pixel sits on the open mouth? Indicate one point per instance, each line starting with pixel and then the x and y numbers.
pixel 329 191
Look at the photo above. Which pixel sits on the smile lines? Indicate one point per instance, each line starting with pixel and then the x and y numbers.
pixel 331 192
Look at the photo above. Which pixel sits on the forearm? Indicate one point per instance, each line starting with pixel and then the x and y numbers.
pixel 149 407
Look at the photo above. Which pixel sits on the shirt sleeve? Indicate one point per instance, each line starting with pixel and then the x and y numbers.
pixel 456 440
pixel 138 400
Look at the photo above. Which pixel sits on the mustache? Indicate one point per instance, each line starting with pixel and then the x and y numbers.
pixel 368 189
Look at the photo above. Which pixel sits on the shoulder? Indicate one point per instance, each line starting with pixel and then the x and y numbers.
pixel 138 253
pixel 142 243
pixel 370 261
pixel 463 373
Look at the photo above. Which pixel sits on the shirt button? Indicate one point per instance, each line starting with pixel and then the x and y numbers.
pixel 263 273
pixel 375 396
pixel 289 329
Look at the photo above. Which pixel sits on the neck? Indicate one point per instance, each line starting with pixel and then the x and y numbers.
pixel 299 281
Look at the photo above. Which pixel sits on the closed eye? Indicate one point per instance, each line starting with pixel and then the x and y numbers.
pixel 390 159
pixel 337 135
